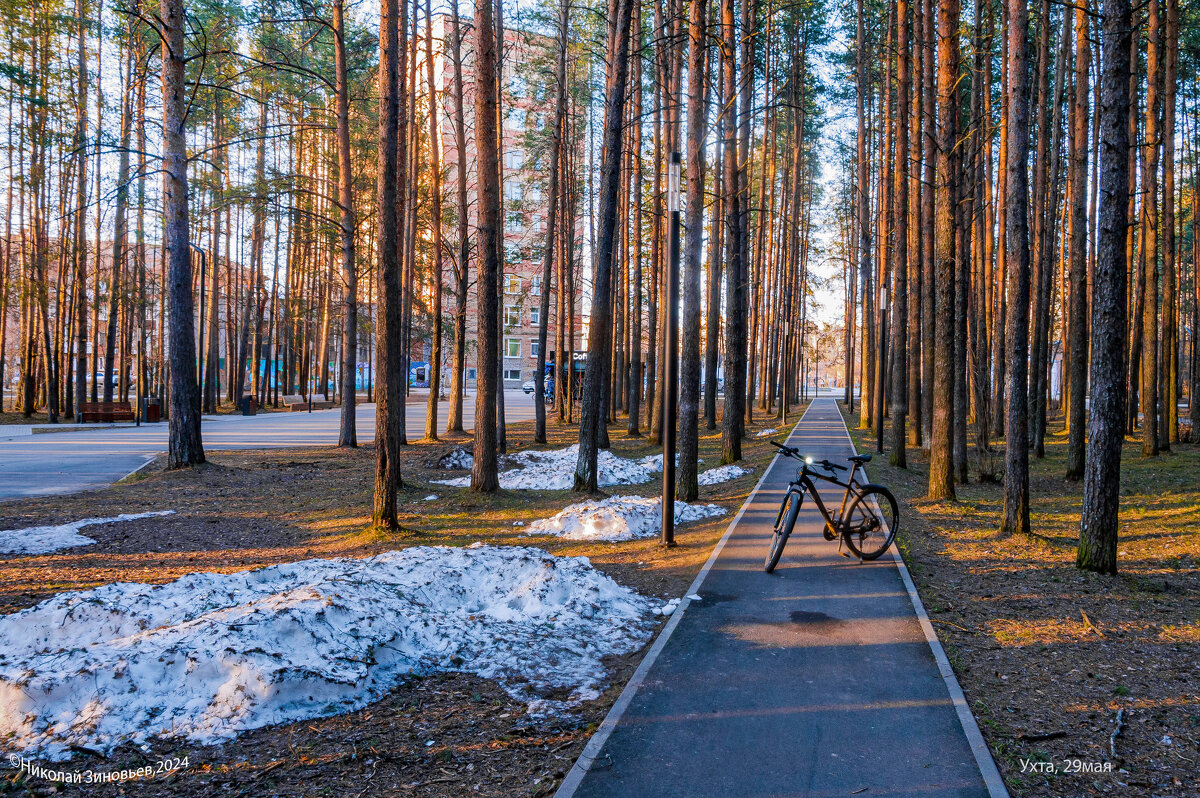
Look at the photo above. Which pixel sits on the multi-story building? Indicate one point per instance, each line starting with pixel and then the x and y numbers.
pixel 526 112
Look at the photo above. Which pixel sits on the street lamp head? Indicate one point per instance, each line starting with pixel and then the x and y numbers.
pixel 673 183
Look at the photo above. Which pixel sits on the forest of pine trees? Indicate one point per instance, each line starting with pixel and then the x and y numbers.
pixel 212 199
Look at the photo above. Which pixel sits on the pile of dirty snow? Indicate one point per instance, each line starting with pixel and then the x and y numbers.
pixel 456 459
pixel 618 518
pixel 555 470
pixel 45 539
pixel 723 474
pixel 211 655
pixel 766 433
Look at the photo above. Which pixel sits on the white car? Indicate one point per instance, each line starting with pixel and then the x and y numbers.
pixel 529 386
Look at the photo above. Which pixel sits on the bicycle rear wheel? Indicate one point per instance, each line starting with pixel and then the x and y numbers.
pixel 870 523
pixel 784 523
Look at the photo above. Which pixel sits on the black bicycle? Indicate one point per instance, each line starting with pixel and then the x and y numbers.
pixel 866 522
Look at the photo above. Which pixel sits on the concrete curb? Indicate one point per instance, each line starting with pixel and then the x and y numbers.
pixel 143 467
pixel 983 755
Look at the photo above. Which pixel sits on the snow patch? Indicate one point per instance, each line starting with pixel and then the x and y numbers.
pixel 209 655
pixel 653 463
pixel 764 433
pixel 555 470
pixel 618 518
pixel 457 458
pixel 45 539
pixel 714 476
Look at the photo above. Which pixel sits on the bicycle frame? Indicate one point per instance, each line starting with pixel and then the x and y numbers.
pixel 804 483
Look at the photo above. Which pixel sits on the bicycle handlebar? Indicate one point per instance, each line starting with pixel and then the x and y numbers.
pixel 792 452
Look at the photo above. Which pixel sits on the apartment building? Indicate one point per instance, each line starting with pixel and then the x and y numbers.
pixel 527 110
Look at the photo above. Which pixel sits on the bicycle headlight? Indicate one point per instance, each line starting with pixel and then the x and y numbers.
pixel 808 460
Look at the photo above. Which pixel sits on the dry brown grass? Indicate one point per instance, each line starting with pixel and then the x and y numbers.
pixel 1043 648
pixel 249 509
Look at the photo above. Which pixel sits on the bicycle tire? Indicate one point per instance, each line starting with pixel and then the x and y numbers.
pixel 784 523
pixel 871 521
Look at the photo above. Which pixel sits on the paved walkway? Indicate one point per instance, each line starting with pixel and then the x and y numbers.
pixel 816 680
pixel 75 460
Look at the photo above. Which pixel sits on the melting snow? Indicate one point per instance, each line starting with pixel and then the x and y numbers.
pixel 457 458
pixel 211 655
pixel 555 470
pixel 763 433
pixel 723 474
pixel 45 539
pixel 618 518
pixel 653 463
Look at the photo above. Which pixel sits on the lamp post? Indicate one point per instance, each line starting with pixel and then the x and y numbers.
pixel 671 356
pixel 881 370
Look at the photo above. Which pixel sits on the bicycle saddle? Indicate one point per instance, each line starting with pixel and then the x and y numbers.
pixel 860 458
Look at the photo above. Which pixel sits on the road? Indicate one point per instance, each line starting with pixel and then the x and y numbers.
pixel 68 462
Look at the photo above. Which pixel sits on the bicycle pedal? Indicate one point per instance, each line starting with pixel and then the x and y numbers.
pixel 848 555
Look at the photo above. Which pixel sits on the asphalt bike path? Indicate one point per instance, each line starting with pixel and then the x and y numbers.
pixel 816 680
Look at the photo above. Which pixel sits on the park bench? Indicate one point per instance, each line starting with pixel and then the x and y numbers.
pixel 297 403
pixel 105 411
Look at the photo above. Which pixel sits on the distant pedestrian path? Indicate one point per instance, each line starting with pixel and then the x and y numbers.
pixel 817 680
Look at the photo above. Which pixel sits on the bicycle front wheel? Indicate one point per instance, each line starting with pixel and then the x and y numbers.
pixel 871 521
pixel 784 523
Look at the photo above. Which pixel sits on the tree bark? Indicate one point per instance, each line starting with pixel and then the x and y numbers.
pixel 592 408
pixel 184 446
pixel 1106 426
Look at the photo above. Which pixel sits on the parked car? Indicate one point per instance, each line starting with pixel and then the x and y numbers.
pixel 529 387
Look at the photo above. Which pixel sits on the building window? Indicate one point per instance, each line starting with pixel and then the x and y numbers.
pixel 535 286
pixel 512 284
pixel 539 122
pixel 515 119
pixel 518 87
pixel 533 349
pixel 539 225
pixel 470 374
pixel 512 316
pixel 514 222
pixel 514 158
pixel 512 191
pixel 512 374
pixel 535 194
pixel 535 316
pixel 512 347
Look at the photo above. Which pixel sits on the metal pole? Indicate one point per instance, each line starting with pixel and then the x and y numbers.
pixel 881 370
pixel 671 357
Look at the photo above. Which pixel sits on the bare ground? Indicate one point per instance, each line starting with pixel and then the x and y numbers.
pixel 1048 655
pixel 441 735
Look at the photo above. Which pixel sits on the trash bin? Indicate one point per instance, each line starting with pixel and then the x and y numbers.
pixel 151 410
pixel 249 406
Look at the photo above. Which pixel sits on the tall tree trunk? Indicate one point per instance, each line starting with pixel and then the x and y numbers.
pixel 389 392
pixel 557 134
pixel 1148 233
pixel 592 409
pixel 941 456
pixel 1077 347
pixel 435 193
pixel 484 475
pixel 454 413
pixel 347 433
pixel 687 487
pixel 184 447
pixel 1106 426
pixel 900 342
pixel 733 421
